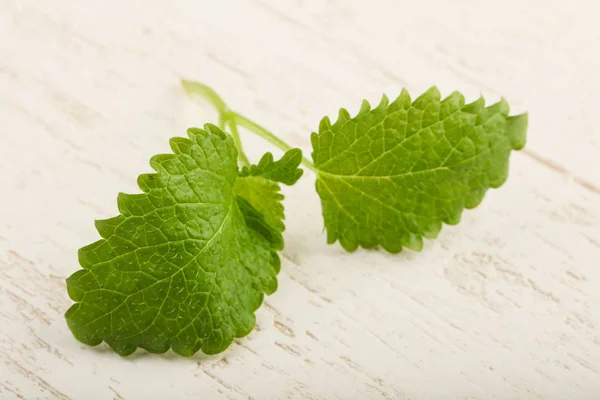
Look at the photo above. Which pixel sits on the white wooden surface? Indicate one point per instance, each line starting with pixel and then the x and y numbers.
pixel 506 305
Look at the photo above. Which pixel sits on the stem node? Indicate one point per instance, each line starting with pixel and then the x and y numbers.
pixel 231 119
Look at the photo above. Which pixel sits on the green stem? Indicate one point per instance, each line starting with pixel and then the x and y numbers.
pixel 238 142
pixel 208 93
pixel 225 118
pixel 222 122
pixel 228 118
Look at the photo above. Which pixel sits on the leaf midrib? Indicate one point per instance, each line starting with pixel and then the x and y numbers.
pixel 367 177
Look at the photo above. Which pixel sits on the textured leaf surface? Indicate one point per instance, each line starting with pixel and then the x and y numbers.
pixel 264 195
pixel 258 186
pixel 180 267
pixel 393 174
pixel 284 170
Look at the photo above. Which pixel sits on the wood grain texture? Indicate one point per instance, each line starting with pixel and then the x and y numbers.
pixel 505 305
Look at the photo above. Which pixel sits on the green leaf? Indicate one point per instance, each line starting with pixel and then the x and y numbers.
pixel 392 175
pixel 181 267
pixel 264 196
pixel 285 170
pixel 258 186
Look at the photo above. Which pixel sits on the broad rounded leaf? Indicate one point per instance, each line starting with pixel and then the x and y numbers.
pixel 180 267
pixel 391 175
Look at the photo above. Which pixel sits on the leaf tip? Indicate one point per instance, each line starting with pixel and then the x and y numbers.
pixel 157 162
pixel 215 130
pixel 412 241
pixel 517 130
pixel 122 203
pixel 403 101
pixel 365 107
pixel 180 145
pixel 324 125
pixel 343 116
pixel 383 103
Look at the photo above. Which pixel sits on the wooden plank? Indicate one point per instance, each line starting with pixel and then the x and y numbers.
pixel 506 303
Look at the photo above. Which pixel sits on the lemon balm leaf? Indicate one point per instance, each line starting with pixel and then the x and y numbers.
pixel 393 174
pixel 264 195
pixel 181 267
pixel 284 170
pixel 257 186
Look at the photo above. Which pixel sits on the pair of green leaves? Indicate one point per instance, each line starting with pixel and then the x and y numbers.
pixel 188 261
